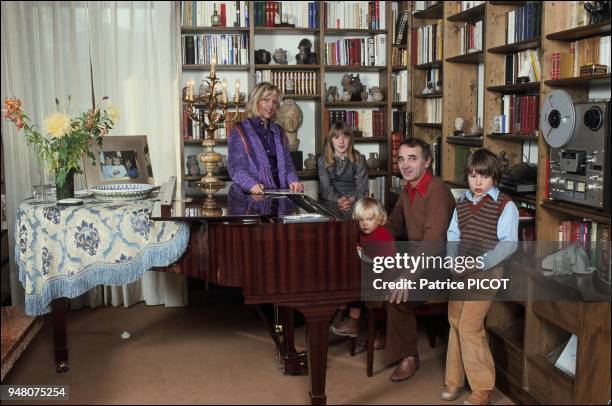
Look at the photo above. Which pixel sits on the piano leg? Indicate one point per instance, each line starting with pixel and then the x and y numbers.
pixel 317 319
pixel 294 363
pixel 58 317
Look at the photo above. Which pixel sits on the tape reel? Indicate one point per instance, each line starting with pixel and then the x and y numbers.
pixel 558 118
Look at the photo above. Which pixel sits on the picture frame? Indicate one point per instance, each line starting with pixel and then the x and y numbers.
pixel 121 159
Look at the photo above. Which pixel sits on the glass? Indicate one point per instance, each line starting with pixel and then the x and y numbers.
pixel 43 192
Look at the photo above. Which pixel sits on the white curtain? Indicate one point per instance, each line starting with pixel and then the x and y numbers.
pixel 46 49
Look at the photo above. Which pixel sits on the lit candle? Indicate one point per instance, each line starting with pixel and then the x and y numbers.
pixel 213 64
pixel 237 86
pixel 224 86
pixel 190 89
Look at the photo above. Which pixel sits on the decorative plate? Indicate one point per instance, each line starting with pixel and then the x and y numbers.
pixel 122 191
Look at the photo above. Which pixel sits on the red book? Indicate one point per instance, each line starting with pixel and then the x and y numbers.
pixel 376 16
pixel 223 20
pixel 414 44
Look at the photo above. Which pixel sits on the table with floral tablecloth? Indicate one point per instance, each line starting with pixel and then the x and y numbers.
pixel 63 251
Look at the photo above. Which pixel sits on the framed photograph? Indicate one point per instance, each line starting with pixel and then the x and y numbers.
pixel 122 159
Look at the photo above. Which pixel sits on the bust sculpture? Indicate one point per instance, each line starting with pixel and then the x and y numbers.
pixel 290 117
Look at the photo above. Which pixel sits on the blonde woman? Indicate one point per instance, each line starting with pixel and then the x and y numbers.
pixel 258 149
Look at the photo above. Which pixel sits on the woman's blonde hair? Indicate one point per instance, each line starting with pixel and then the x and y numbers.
pixel 369 207
pixel 340 128
pixel 261 91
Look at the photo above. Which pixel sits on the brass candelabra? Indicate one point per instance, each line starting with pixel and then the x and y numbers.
pixel 210 119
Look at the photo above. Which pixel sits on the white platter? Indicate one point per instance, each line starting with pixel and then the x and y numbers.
pixel 122 191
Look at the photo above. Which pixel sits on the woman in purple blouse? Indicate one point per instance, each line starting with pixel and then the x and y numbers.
pixel 258 149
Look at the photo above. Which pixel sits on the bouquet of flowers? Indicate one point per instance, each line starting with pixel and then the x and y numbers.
pixel 67 138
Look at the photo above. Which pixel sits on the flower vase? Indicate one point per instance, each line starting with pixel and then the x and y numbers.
pixel 67 189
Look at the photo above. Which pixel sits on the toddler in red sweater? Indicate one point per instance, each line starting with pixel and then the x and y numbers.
pixel 371 216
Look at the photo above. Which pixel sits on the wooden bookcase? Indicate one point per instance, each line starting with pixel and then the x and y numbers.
pixel 526 336
pixel 257 38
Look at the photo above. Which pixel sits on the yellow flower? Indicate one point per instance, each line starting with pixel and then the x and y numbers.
pixel 57 124
pixel 113 113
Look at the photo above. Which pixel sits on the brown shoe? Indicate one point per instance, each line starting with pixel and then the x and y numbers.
pixel 348 327
pixel 451 393
pixel 405 369
pixel 479 397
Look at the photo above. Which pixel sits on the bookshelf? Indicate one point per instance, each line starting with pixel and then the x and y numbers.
pixel 527 336
pixel 261 33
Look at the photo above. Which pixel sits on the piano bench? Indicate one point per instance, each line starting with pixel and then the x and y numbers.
pixel 376 312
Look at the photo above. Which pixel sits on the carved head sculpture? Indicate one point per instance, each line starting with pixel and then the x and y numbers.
pixel 290 116
pixel 262 56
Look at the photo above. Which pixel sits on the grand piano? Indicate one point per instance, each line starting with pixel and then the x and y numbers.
pixel 283 249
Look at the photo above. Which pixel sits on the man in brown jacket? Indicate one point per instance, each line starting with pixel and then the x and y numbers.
pixel 423 213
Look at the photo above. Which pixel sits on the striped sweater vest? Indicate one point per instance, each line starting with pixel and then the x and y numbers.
pixel 478 223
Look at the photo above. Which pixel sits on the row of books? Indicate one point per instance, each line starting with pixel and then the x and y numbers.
pixel 303 83
pixel 471 37
pixel 466 5
pixel 426 44
pixel 377 188
pixel 198 13
pixel 192 131
pixel 399 57
pixel 366 15
pixel 371 123
pixel 422 5
pixel 433 111
pixel 593 236
pixel 569 14
pixel 300 14
pixel 400 121
pixel 433 78
pixel 369 51
pixel 523 64
pixel 396 139
pixel 524 23
pixel 588 51
pixel 228 49
pixel 520 115
pixel 399 86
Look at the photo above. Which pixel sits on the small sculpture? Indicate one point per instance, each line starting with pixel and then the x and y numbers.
pixel 364 95
pixel 458 126
pixel 332 94
pixel 346 96
pixel 352 85
pixel 280 56
pixel 306 56
pixel 373 161
pixel 377 94
pixel 310 162
pixel 262 57
pixel 598 11
pixel 290 117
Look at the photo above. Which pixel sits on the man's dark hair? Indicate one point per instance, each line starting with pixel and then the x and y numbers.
pixel 484 163
pixel 414 142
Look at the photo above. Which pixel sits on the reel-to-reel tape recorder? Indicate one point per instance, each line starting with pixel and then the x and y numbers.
pixel 579 137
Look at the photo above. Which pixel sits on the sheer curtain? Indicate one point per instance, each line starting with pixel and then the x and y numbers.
pixel 46 53
pixel 134 56
pixel 44 56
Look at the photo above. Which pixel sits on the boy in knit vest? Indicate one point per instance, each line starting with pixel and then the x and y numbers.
pixel 486 220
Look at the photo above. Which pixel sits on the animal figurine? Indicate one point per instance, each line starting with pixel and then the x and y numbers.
pixel 352 84
pixel 306 56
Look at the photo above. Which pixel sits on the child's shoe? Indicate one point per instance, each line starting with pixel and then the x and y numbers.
pixel 349 327
pixel 451 393
pixel 479 397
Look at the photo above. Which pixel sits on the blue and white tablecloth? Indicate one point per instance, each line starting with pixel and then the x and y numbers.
pixel 63 251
